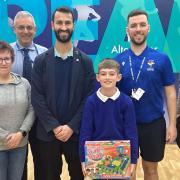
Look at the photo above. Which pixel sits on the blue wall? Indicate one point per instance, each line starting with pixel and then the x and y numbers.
pixel 100 26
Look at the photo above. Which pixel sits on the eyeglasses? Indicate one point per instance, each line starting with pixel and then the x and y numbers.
pixel 22 28
pixel 7 60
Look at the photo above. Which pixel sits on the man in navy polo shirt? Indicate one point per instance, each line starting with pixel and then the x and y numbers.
pixel 146 75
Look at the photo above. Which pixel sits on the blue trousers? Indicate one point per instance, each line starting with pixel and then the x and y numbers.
pixel 12 163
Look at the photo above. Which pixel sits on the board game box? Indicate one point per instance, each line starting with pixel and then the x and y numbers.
pixel 107 159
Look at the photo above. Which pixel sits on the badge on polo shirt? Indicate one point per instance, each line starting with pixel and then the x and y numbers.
pixel 137 94
pixel 151 64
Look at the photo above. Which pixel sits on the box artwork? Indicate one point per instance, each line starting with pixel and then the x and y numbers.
pixel 107 159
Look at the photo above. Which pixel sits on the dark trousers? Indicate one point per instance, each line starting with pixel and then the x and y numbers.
pixel 50 156
pixel 178 131
pixel 35 154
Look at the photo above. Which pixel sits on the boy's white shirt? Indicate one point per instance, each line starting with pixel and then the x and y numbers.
pixel 105 98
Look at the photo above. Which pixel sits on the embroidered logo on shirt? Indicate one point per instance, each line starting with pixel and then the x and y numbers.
pixel 151 64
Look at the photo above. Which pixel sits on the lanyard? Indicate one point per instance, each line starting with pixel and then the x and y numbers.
pixel 140 69
pixel 17 45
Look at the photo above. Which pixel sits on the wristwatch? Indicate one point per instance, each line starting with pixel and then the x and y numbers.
pixel 24 133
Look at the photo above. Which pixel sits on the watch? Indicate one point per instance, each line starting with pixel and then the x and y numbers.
pixel 24 133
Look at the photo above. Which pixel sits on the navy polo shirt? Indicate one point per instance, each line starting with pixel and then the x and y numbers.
pixel 156 73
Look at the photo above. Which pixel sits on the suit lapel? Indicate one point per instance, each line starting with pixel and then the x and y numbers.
pixel 50 72
pixel 50 65
pixel 76 65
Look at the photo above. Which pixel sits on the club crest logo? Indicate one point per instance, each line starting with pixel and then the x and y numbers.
pixel 151 64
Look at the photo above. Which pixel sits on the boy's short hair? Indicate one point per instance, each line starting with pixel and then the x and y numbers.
pixel 108 63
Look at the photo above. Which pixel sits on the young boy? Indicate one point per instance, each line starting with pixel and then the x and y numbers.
pixel 108 113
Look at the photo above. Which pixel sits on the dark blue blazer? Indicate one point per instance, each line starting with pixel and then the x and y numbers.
pixel 43 92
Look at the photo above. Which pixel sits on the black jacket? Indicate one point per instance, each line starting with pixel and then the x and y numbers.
pixel 43 94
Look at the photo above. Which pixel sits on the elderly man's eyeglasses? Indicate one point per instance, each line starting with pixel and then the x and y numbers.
pixel 7 60
pixel 22 28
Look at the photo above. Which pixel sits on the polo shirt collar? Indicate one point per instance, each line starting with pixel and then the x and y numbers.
pixel 144 52
pixel 105 98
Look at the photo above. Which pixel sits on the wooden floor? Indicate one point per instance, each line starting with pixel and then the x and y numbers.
pixel 169 168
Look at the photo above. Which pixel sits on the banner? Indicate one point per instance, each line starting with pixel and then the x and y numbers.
pixel 100 28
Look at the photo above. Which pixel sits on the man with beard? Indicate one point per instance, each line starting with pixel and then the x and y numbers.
pixel 146 75
pixel 62 78
pixel 25 29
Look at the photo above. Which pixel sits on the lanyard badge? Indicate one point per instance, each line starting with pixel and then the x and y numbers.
pixel 136 93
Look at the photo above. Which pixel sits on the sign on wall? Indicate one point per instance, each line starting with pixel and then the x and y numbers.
pixel 100 28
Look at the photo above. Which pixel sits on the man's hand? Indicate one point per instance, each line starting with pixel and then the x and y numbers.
pixel 63 133
pixel 171 134
pixel 13 140
pixel 57 130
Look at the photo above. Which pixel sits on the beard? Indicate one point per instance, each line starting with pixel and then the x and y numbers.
pixel 138 43
pixel 63 38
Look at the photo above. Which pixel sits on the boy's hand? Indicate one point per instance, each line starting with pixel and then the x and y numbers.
pixel 131 171
pixel 83 168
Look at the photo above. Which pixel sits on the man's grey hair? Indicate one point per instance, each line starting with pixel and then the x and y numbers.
pixel 24 14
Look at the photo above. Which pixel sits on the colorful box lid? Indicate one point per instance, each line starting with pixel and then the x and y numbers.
pixel 107 159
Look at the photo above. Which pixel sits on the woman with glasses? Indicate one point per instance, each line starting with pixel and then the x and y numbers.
pixel 16 116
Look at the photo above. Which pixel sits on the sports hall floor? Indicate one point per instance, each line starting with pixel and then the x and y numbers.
pixel 169 168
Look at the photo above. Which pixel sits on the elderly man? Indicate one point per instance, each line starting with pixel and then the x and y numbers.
pixel 25 52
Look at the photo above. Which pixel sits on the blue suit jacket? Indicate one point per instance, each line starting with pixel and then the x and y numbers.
pixel 43 92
